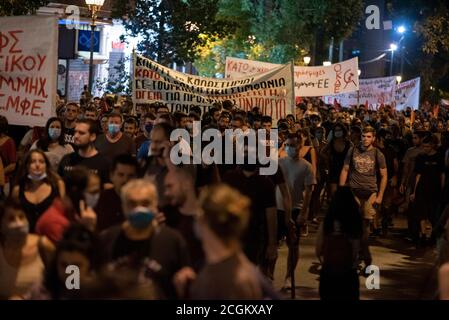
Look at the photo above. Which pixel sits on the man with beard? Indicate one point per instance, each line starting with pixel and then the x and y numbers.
pixel 183 210
pixel 86 155
pixel 156 166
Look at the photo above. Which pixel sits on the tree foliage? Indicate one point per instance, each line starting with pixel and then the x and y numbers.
pixel 169 30
pixel 119 80
pixel 278 31
pixel 427 42
pixel 20 7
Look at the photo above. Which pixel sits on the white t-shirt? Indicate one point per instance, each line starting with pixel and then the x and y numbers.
pixel 55 153
pixel 298 174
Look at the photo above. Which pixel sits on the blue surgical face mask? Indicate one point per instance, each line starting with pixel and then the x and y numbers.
pixel 140 217
pixel 291 152
pixel 113 128
pixel 54 133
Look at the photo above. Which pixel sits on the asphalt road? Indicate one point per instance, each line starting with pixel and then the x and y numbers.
pixel 406 272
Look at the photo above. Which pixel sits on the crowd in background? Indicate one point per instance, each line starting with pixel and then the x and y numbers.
pixel 96 188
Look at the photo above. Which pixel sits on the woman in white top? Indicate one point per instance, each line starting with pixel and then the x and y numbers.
pixel 22 255
pixel 52 142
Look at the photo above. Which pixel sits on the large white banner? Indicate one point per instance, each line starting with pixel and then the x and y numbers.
pixel 309 81
pixel 373 93
pixel 407 94
pixel 28 68
pixel 271 91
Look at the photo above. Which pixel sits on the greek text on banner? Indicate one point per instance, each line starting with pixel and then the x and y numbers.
pixel 317 81
pixel 270 91
pixel 28 64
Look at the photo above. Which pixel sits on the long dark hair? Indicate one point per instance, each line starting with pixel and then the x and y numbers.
pixel 45 140
pixel 344 209
pixel 77 238
pixel 9 203
pixel 22 176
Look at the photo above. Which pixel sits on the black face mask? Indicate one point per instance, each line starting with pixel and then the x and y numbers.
pixel 249 167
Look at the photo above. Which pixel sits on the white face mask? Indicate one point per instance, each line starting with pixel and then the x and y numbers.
pixel 15 230
pixel 91 199
pixel 338 134
pixel 35 177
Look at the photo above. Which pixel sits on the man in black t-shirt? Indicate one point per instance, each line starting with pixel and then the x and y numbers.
pixel 141 243
pixel 109 207
pixel 183 211
pixel 430 178
pixel 260 240
pixel 87 155
pixel 70 117
pixel 392 163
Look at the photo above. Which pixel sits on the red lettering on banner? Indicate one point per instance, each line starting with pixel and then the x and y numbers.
pixel 29 85
pixel 337 85
pixel 15 63
pixel 24 107
pixel 35 107
pixel 5 40
pixel 20 63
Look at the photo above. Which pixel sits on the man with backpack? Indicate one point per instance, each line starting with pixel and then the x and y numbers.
pixel 363 164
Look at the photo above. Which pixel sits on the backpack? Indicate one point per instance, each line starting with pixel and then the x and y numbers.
pixel 338 253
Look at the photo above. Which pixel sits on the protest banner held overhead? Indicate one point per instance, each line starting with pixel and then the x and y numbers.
pixel 271 91
pixel 28 64
pixel 373 93
pixel 407 94
pixel 316 81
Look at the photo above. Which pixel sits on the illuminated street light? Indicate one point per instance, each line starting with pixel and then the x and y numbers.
pixel 306 60
pixel 401 29
pixel 393 47
pixel 327 63
pixel 398 79
pixel 359 72
pixel 94 7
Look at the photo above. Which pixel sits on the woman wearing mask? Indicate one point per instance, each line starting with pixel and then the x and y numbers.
pixel 334 155
pixel 37 186
pixel 52 142
pixel 21 263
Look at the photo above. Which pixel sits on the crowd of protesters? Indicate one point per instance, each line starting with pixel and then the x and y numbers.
pixel 96 189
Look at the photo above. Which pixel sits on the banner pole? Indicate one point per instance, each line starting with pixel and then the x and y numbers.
pixel 133 85
pixel 292 69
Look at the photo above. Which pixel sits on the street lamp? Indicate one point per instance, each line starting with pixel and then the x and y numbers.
pixel 306 60
pixel 398 79
pixel 327 63
pixel 359 72
pixel 401 29
pixel 393 48
pixel 94 7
